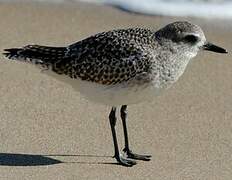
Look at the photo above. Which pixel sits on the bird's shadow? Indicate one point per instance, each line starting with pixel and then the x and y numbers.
pixel 11 159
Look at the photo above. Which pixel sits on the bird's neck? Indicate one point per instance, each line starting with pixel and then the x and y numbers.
pixel 169 66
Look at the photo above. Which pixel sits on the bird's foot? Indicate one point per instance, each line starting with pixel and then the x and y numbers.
pixel 132 155
pixel 125 161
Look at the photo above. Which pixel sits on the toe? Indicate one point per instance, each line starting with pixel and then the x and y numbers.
pixel 125 161
pixel 138 156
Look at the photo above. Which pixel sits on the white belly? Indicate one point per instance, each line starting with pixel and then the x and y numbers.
pixel 117 94
pixel 112 95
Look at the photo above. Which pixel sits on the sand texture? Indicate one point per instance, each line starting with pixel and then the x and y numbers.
pixel 49 131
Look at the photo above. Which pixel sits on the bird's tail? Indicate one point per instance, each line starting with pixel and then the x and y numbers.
pixel 35 54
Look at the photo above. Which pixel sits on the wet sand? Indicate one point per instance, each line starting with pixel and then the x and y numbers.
pixel 49 131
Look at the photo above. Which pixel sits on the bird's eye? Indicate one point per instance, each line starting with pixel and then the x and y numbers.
pixel 191 38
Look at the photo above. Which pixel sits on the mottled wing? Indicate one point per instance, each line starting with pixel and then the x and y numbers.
pixel 106 58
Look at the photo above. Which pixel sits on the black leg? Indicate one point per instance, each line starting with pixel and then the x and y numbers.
pixel 127 150
pixel 123 161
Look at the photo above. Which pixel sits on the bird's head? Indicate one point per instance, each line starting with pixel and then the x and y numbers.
pixel 186 36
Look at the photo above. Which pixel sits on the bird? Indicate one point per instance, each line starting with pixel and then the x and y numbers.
pixel 121 67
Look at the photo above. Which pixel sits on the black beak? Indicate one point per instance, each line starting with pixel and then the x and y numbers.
pixel 211 47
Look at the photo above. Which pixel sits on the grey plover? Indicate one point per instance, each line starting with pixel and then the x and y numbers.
pixel 121 67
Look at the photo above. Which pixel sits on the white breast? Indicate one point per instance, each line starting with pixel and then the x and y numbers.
pixel 112 95
pixel 117 94
pixel 128 93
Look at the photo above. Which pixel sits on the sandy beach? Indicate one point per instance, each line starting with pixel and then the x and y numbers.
pixel 50 131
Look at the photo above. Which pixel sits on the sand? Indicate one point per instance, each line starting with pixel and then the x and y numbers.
pixel 49 131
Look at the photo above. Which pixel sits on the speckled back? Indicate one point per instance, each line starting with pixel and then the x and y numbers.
pixel 108 57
